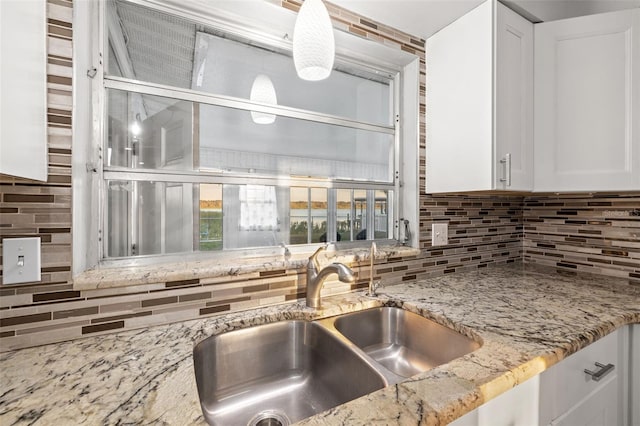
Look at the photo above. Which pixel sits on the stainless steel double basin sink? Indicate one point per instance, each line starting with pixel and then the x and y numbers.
pixel 277 374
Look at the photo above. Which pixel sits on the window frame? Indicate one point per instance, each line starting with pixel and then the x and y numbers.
pixel 103 82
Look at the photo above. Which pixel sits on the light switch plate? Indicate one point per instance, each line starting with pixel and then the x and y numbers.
pixel 439 234
pixel 20 260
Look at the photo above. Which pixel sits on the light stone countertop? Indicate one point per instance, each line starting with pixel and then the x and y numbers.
pixel 527 317
pixel 243 264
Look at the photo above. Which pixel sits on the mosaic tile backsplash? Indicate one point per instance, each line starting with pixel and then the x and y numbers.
pixel 595 233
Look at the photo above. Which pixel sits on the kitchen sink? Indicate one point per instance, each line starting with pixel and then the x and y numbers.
pixel 279 373
pixel 402 341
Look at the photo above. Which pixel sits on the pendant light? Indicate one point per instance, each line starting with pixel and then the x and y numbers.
pixel 313 42
pixel 263 91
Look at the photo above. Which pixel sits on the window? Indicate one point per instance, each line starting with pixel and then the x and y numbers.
pixel 194 161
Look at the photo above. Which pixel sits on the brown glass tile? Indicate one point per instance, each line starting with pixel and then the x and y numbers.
pixel 25 319
pixel 276 273
pixel 8 210
pixel 228 301
pixel 59 179
pixel 357 31
pixel 214 309
pixel 55 230
pixel 7 334
pixel 27 198
pixel 60 32
pixel 589 231
pixel 159 301
pixel 120 317
pixel 615 252
pixel 195 296
pixel 59 151
pixel 368 24
pixel 56 269
pixel 567 265
pixel 58 295
pixel 59 80
pixel 255 288
pixel 295 296
pixel 182 283
pixel 75 312
pixel 283 284
pixel 290 6
pixel 59 23
pixel 88 329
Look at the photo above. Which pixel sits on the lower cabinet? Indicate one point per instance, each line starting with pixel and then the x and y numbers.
pixel 567 395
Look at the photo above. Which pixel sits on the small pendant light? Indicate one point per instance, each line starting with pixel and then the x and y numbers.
pixel 313 42
pixel 263 91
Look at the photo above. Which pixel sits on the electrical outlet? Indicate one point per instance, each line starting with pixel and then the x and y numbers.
pixel 439 234
pixel 20 260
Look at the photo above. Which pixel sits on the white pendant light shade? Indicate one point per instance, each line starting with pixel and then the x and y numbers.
pixel 313 43
pixel 263 91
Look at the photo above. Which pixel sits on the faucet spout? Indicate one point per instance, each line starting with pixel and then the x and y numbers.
pixel 315 278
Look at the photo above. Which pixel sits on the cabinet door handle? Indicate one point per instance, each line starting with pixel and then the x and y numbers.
pixel 507 169
pixel 603 371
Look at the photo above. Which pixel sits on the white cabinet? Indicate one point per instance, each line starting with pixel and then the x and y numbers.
pixel 566 395
pixel 480 103
pixel 23 89
pixel 587 103
pixel 569 396
pixel 519 406
pixel 634 375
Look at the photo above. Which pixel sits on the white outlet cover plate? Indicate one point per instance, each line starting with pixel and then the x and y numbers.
pixel 439 234
pixel 12 248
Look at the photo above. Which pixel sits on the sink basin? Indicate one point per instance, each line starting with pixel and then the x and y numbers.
pixel 279 373
pixel 403 342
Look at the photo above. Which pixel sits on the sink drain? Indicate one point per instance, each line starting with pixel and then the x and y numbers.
pixel 270 418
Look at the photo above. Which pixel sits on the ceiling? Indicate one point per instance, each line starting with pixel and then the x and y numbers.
pixel 425 17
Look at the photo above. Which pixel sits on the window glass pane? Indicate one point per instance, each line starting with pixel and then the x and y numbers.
pixel 152 132
pixel 149 132
pixel 381 214
pixel 319 215
pixel 344 217
pixel 210 217
pixel 149 218
pixel 253 215
pixel 230 141
pixel 299 216
pixel 359 212
pixel 148 45
pixel 308 215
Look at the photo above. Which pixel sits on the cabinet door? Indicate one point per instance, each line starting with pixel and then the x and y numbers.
pixel 597 409
pixel 587 103
pixel 23 84
pixel 459 106
pixel 518 406
pixel 513 101
pixel 569 396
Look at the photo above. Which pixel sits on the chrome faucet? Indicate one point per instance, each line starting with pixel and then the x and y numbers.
pixel 316 277
pixel 373 285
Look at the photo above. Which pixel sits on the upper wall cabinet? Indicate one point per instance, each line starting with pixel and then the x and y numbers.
pixel 23 84
pixel 587 103
pixel 480 103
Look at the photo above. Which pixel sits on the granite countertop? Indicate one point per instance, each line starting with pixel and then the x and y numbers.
pixel 527 317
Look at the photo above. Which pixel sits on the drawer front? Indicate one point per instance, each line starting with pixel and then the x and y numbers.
pixel 566 384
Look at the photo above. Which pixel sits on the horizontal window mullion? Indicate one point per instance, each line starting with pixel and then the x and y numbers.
pixel 147 88
pixel 198 177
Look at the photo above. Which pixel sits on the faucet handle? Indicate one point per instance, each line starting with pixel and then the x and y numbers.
pixel 314 257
